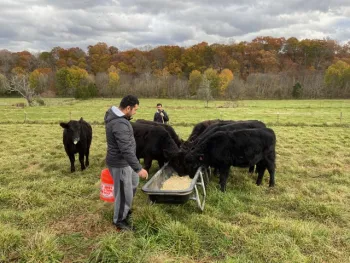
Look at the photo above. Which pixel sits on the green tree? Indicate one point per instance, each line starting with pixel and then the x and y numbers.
pixel 214 80
pixel 338 74
pixel 62 85
pixel 39 81
pixel 195 81
pixel 204 92
pixel 69 79
pixel 297 91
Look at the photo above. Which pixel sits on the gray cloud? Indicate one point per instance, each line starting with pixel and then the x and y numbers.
pixel 41 25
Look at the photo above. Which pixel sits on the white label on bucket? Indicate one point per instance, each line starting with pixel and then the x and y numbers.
pixel 107 190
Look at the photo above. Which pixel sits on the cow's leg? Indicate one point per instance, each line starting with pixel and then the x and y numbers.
pixel 87 157
pixel 72 160
pixel 224 172
pixel 251 169
pixel 81 160
pixel 271 169
pixel 260 167
pixel 147 163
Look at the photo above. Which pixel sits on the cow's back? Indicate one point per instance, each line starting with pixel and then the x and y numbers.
pixel 167 127
pixel 229 126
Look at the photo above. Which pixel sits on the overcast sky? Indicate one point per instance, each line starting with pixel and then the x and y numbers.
pixel 38 25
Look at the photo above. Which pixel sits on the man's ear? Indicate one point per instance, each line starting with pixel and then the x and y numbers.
pixel 64 125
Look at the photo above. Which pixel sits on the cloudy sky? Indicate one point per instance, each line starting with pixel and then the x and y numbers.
pixel 38 25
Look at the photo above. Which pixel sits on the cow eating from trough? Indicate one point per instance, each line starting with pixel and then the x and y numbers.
pixel 77 136
pixel 178 159
pixel 241 148
pixel 151 144
pixel 167 127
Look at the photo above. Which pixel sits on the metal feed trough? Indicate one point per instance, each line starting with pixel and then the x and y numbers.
pixel 156 195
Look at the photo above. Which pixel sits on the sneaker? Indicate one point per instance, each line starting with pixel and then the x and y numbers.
pixel 123 226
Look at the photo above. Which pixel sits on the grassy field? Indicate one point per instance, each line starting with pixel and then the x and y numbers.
pixel 186 112
pixel 48 214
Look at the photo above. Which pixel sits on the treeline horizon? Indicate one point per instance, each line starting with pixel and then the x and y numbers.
pixel 265 67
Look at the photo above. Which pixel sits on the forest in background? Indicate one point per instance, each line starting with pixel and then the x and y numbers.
pixel 265 68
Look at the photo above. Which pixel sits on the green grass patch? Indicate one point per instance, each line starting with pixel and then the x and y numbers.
pixel 48 214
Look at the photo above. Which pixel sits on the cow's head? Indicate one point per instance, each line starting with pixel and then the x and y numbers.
pixel 193 161
pixel 177 161
pixel 73 129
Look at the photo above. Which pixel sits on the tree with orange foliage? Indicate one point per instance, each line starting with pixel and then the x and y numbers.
pixel 113 81
pixel 225 76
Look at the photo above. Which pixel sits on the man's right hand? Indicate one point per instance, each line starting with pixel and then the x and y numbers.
pixel 143 174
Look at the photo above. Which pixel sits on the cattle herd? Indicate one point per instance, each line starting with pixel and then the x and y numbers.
pixel 218 144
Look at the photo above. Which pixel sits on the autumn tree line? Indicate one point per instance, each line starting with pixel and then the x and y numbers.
pixel 265 68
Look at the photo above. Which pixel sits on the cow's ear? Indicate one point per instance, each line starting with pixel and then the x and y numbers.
pixel 64 125
pixel 201 157
pixel 81 119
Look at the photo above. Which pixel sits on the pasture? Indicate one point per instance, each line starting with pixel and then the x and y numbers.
pixel 48 214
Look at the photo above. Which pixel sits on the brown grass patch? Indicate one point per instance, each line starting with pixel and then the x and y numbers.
pixel 89 225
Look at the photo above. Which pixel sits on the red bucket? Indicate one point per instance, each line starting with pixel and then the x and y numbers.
pixel 107 186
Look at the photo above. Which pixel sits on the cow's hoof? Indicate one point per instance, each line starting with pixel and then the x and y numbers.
pixel 72 170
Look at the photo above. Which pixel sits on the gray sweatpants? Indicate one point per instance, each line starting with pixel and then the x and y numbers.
pixel 126 181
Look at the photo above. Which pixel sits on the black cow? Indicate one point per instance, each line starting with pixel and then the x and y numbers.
pixel 227 126
pixel 168 128
pixel 151 143
pixel 242 148
pixel 199 128
pixel 234 126
pixel 77 136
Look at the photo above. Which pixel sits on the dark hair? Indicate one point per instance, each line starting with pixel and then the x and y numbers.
pixel 129 100
pixel 159 104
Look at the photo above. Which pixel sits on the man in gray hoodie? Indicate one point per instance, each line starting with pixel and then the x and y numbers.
pixel 121 158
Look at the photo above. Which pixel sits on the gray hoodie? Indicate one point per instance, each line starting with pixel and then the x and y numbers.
pixel 121 145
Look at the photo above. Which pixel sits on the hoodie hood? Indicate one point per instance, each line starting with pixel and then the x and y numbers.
pixel 113 113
